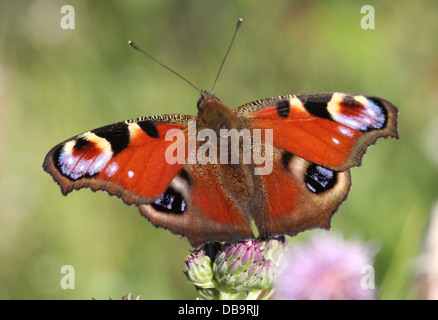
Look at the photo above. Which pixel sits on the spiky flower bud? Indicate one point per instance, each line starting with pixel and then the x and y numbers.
pixel 198 270
pixel 276 250
pixel 236 267
pixel 242 270
pixel 266 276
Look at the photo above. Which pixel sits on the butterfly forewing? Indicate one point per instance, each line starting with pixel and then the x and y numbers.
pixel 125 159
pixel 330 129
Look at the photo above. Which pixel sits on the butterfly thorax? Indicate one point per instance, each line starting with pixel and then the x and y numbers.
pixel 236 177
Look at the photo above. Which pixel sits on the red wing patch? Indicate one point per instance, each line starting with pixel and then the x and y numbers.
pixel 332 130
pixel 205 213
pixel 300 195
pixel 126 159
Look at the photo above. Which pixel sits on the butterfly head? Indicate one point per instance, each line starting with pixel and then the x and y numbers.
pixel 206 97
pixel 213 114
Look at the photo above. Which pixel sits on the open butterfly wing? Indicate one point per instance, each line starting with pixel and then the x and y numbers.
pixel 330 129
pixel 316 139
pixel 125 159
pixel 208 212
pixel 128 159
pixel 299 195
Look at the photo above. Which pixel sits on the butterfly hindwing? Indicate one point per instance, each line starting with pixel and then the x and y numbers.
pixel 209 212
pixel 300 195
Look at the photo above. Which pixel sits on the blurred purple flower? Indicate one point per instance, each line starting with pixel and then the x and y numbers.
pixel 327 268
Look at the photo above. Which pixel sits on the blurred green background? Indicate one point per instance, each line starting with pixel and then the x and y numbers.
pixel 57 83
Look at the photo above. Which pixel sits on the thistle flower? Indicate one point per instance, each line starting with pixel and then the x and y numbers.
pixel 276 250
pixel 327 268
pixel 242 270
pixel 198 270
pixel 237 264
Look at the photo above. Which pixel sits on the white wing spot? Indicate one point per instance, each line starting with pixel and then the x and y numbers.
pixel 112 169
pixel 345 131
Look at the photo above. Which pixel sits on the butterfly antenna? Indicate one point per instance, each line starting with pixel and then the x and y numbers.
pixel 132 44
pixel 239 23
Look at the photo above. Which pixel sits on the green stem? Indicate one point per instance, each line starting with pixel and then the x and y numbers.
pixel 230 296
pixel 253 294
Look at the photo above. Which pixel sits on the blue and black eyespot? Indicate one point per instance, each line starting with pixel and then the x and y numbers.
pixel 319 179
pixel 171 201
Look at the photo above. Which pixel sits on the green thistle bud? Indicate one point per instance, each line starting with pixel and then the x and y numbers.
pixel 237 264
pixel 276 250
pixel 208 294
pixel 243 270
pixel 198 270
pixel 266 276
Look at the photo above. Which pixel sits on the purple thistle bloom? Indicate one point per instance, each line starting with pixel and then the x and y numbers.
pixel 328 268
pixel 241 267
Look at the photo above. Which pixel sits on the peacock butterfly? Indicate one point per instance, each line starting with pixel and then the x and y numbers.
pixel 209 189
